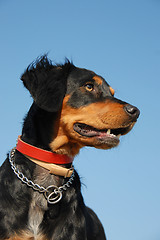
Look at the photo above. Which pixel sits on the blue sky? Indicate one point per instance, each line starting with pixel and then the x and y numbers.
pixel 120 40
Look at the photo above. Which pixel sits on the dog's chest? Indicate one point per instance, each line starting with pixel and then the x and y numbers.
pixel 36 214
pixel 39 206
pixel 35 218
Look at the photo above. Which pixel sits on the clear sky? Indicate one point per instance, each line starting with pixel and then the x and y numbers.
pixel 120 40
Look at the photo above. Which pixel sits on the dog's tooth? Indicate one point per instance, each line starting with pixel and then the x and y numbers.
pixel 109 131
pixel 118 135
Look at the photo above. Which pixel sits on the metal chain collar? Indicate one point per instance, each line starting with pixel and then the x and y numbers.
pixel 52 193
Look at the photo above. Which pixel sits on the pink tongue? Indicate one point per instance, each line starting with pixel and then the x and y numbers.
pixel 102 134
pixel 92 132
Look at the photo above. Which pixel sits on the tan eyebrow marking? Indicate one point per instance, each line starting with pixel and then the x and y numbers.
pixel 98 80
pixel 111 90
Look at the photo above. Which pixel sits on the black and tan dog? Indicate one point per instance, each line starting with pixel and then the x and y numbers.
pixel 40 192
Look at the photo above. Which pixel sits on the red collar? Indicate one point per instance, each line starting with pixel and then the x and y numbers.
pixel 42 155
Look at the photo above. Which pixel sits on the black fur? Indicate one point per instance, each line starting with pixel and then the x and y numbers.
pixel 69 219
pixel 47 83
pixel 23 210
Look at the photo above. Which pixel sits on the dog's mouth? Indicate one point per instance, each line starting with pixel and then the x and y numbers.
pixel 91 132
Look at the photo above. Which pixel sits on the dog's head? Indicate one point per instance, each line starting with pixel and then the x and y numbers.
pixel 89 114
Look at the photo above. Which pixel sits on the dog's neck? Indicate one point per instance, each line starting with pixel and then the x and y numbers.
pixel 38 132
pixel 38 127
pixel 41 129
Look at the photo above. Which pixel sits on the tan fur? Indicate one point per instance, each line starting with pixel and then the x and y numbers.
pixel 98 80
pixel 111 90
pixel 102 115
pixel 27 236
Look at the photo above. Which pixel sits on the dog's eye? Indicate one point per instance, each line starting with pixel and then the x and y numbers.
pixel 89 87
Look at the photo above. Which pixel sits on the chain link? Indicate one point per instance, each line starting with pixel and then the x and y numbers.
pixel 51 196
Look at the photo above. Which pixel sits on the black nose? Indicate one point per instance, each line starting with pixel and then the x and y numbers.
pixel 132 111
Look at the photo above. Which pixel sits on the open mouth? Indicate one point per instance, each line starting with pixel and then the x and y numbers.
pixel 89 131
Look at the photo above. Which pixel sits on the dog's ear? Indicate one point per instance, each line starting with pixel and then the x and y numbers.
pixel 47 83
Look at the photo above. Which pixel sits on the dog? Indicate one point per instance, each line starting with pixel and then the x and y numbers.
pixel 40 195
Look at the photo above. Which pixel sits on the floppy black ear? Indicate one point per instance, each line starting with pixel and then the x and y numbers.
pixel 47 83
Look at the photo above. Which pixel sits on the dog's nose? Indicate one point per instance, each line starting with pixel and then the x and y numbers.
pixel 132 111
